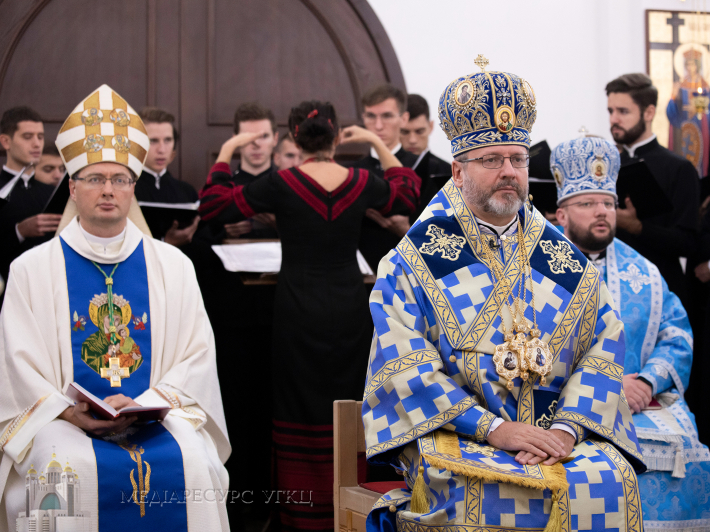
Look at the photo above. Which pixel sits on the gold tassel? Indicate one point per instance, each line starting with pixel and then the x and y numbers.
pixel 420 501
pixel 554 523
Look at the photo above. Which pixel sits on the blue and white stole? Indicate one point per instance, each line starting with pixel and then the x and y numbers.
pixel 141 481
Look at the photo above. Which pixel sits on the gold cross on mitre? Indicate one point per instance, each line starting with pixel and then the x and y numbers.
pixel 114 373
pixel 482 62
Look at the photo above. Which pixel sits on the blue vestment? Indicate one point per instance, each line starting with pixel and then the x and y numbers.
pixel 675 491
pixel 433 390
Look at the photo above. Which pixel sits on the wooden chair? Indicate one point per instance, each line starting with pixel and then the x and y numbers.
pixel 352 501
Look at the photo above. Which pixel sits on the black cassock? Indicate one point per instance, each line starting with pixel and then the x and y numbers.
pixel 666 237
pixel 435 172
pixel 170 190
pixel 375 241
pixel 23 202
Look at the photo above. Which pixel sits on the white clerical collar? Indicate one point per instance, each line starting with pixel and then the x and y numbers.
pixel 103 245
pixel 632 149
pixel 419 159
pixel 498 230
pixel 25 177
pixel 394 150
pixel 156 175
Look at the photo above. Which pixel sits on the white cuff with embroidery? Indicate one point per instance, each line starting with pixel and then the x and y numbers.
pixel 559 426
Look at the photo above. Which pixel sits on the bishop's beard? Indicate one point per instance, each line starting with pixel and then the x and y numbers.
pixel 484 200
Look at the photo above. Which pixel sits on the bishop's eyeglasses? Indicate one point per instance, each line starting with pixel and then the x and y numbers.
pixel 119 182
pixel 493 162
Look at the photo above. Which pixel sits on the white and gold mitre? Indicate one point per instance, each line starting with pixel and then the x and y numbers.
pixel 103 128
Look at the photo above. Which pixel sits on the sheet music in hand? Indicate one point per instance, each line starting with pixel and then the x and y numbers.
pixel 104 410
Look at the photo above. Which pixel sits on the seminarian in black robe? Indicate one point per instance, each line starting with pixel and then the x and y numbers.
pixel 667 237
pixel 24 201
pixel 163 188
pixel 435 172
pixel 375 241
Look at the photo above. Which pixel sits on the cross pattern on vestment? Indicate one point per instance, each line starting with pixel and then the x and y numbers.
pixel 114 373
pixel 449 246
pixel 561 257
pixel 482 62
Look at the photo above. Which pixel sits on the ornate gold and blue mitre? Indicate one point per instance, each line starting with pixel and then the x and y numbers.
pixel 585 165
pixel 103 128
pixel 487 109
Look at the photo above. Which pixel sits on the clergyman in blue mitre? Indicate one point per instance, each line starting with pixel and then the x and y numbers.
pixel 675 491
pixel 494 380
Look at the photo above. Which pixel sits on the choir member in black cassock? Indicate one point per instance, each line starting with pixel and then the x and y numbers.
pixel 385 112
pixel 435 172
pixel 157 185
pixel 22 224
pixel 666 237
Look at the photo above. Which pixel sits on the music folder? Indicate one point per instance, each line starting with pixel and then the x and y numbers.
pixel 58 200
pixel 636 181
pixel 541 182
pixel 160 216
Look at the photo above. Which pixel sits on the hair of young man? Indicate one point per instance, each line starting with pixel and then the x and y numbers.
pixel 50 149
pixel 252 111
pixel 9 123
pixel 384 92
pixel 153 115
pixel 284 138
pixel 417 106
pixel 638 85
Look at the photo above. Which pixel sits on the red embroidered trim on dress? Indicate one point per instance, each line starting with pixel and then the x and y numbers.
pixel 305 194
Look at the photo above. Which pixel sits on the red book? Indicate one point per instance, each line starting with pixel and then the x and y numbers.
pixel 654 405
pixel 104 410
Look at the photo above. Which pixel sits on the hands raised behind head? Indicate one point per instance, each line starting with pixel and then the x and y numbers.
pixel 39 225
pixel 238 229
pixel 357 135
pixel 179 237
pixel 535 444
pixel 397 224
pixel 638 393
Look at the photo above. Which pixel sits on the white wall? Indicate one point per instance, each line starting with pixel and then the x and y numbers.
pixel 567 49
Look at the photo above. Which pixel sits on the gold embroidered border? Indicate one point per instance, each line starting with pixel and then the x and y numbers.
pixel 409 525
pixel 423 428
pixel 400 365
pixel 538 477
pixel 526 401
pixel 19 421
pixel 565 512
pixel 382 502
pixel 634 516
pixel 576 428
pixel 169 397
pixel 588 424
pixel 534 226
pixel 585 289
pixel 470 366
pixel 603 366
pixel 484 424
pixel 439 302
pixel 474 487
pixel 587 327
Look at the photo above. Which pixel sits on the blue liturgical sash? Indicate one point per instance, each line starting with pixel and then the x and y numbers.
pixel 141 480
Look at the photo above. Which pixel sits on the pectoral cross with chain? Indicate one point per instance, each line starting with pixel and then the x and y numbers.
pixel 114 373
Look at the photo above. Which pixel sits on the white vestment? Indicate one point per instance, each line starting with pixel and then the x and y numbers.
pixel 36 368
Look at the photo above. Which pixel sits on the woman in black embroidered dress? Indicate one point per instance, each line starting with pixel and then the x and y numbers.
pixel 322 325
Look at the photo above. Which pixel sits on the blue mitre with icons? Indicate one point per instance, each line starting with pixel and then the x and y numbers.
pixel 585 165
pixel 487 109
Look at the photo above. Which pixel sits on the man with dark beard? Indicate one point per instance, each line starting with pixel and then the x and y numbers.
pixel 663 238
pixel 657 334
